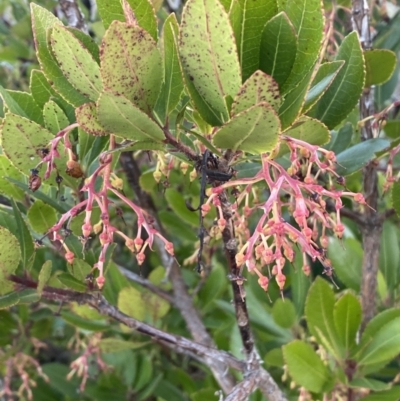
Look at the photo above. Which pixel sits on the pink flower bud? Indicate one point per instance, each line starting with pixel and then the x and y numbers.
pixel 280 279
pixel 86 229
pixel 306 270
pixel 205 209
pixel 239 257
pixel 140 257
pixel 100 281
pixel 138 244
pixel 263 282
pixel 169 247
pixel 69 257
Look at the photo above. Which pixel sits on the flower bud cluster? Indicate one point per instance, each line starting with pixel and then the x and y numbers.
pixel 111 184
pixel 295 190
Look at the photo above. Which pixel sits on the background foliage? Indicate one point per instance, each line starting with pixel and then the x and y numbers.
pixel 122 117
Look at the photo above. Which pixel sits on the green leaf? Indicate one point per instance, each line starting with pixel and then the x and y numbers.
pixel 347 315
pixel 357 156
pixel 259 88
pixel 305 366
pixel 278 48
pixel 87 42
pixel 341 139
pixel 389 256
pixel 44 276
pixel 319 314
pixel 251 19
pixel 42 22
pixel 172 86
pixel 372 384
pixel 76 63
pixel 308 21
pixel 131 303
pixel 208 55
pixel 275 358
pixel 327 72
pixel 388 395
pixel 108 345
pixel 6 187
pixel 85 324
pixel 392 129
pixel 24 237
pixel 71 282
pixel 8 300
pixel 300 284
pixel 377 323
pixel 41 217
pixel 28 296
pixel 383 347
pixel 293 102
pixel 86 117
pixel 10 255
pixel 254 130
pixel 344 92
pixel 395 197
pixel 176 202
pixel 10 104
pixel 21 139
pixel 309 130
pixel 80 269
pixel 346 256
pixel 120 117
pixel 131 64
pixel 54 118
pixel 379 65
pixel 284 313
pixel 28 104
pixel 144 13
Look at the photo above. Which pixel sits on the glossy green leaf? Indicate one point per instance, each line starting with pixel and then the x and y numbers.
pixel 392 129
pixel 379 65
pixel 120 117
pixel 300 284
pixel 259 88
pixel 388 395
pixel 346 256
pixel 10 256
pixel 344 92
pixel 208 55
pixel 44 276
pixel 24 237
pixel 42 21
pixel 252 15
pixel 278 48
pixel 293 102
pixel 172 86
pixel 372 384
pixel 284 313
pixel 326 73
pixel 144 13
pixel 71 282
pixel 305 366
pixel 41 217
pixel 383 347
pixel 76 62
pixel 254 130
pixel 28 104
pixel 347 315
pixel 319 314
pixel 10 104
pixel 54 118
pixel 389 255
pixel 275 358
pixel 357 156
pixel 308 21
pixel 86 117
pixel 131 64
pixel 6 187
pixel 395 197
pixel 176 202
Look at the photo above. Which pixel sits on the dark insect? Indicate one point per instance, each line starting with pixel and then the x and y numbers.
pixel 213 171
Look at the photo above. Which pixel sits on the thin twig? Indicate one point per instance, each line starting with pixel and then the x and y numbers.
pixel 74 15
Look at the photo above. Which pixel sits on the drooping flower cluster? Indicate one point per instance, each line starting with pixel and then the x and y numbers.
pixel 296 189
pixel 110 185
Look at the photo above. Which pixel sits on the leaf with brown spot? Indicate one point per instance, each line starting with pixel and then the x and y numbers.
pixel 86 117
pixel 131 64
pixel 10 255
